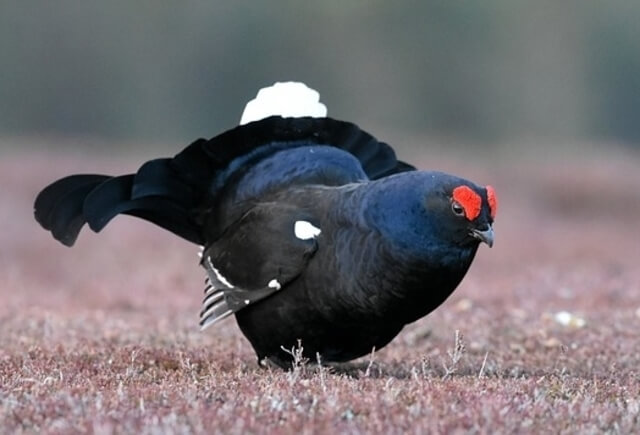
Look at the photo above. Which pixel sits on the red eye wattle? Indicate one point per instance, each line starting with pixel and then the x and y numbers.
pixel 469 200
pixel 493 201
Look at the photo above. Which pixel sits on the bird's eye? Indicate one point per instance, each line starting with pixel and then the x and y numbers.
pixel 457 209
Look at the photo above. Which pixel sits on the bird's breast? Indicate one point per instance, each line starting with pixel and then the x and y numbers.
pixel 367 279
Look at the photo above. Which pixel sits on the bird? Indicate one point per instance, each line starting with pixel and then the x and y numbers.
pixel 312 233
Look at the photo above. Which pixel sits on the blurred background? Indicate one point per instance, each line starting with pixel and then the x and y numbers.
pixel 491 72
pixel 540 99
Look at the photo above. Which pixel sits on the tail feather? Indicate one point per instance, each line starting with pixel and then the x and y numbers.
pixel 400 167
pixel 172 192
pixel 52 195
pixel 195 164
pixel 58 208
pixel 158 178
pixel 377 158
pixel 67 204
pixel 67 215
pixel 114 197
pixel 169 216
pixel 105 201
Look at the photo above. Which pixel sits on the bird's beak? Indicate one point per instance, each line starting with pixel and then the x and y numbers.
pixel 484 235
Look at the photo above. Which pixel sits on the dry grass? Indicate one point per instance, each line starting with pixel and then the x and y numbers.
pixel 103 337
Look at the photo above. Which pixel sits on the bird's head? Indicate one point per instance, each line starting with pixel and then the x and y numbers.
pixel 424 211
pixel 467 211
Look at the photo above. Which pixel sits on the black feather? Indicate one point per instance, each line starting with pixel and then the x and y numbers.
pixel 172 192
pixel 158 178
pixel 400 167
pixel 376 157
pixel 50 196
pixel 104 202
pixel 114 197
pixel 67 215
pixel 305 236
pixel 167 215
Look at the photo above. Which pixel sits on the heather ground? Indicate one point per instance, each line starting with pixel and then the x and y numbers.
pixel 103 337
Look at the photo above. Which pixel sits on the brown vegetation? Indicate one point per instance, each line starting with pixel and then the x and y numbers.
pixel 103 337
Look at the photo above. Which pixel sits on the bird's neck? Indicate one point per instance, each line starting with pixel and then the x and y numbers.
pixel 417 285
pixel 396 278
pixel 413 275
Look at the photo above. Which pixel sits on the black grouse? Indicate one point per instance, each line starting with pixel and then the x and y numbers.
pixel 311 229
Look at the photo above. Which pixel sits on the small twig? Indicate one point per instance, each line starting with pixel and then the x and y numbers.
pixel 483 364
pixel 321 370
pixel 367 372
pixel 455 355
pixel 424 366
pixel 299 361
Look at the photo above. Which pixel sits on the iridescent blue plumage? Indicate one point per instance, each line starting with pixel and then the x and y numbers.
pixel 311 229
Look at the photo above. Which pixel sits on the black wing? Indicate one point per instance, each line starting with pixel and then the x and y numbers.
pixel 256 257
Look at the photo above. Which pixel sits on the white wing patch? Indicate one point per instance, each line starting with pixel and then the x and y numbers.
pixel 221 278
pixel 305 230
pixel 287 99
pixel 274 284
pixel 214 305
pixel 222 299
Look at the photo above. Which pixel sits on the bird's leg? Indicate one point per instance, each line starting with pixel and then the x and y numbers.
pixel 272 363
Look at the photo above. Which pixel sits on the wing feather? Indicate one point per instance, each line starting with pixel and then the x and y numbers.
pixel 256 258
